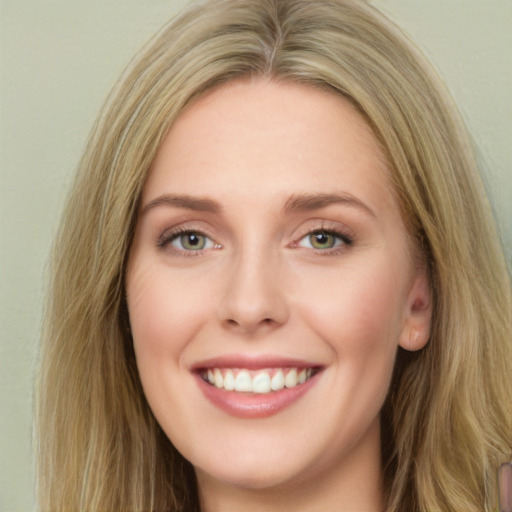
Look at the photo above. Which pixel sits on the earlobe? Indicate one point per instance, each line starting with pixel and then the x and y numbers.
pixel 418 314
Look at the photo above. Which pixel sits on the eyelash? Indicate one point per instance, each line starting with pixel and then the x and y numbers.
pixel 342 240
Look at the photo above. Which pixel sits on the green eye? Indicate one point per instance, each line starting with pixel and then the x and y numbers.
pixel 191 241
pixel 322 240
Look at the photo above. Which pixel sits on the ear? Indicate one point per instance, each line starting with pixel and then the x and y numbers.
pixel 418 313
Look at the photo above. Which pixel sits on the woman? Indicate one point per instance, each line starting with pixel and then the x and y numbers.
pixel 277 284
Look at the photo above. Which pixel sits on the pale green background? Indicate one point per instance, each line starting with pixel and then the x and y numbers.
pixel 58 60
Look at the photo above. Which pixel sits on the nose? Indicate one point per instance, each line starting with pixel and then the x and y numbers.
pixel 254 298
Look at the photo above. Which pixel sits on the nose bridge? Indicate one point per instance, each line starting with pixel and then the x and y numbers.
pixel 253 297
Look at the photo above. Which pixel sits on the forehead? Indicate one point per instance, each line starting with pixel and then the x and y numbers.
pixel 292 137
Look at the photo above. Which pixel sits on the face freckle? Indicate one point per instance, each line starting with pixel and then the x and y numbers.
pixel 269 241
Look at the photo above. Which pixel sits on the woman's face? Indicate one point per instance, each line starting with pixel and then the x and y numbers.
pixel 269 285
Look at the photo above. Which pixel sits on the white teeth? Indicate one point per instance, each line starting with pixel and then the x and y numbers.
pixel 257 382
pixel 277 382
pixel 243 381
pixel 229 381
pixel 261 383
pixel 219 379
pixel 290 381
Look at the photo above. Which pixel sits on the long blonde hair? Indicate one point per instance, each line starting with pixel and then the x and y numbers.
pixel 447 421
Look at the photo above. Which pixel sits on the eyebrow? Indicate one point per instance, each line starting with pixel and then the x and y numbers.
pixel 184 201
pixel 295 203
pixel 309 202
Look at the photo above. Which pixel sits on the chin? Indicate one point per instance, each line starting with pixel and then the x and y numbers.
pixel 250 475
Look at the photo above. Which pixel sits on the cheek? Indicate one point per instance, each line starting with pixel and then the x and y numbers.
pixel 164 317
pixel 164 313
pixel 358 310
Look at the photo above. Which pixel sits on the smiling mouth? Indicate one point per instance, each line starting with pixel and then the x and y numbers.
pixel 265 381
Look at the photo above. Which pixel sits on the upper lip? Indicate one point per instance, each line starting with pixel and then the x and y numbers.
pixel 253 362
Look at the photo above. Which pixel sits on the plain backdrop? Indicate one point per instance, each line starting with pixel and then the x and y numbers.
pixel 59 58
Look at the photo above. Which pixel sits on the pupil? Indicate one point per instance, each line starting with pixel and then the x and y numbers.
pixel 193 240
pixel 322 238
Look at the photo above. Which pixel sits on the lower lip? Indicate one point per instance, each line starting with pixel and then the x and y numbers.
pixel 254 405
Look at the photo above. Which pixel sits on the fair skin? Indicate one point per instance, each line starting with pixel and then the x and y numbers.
pixel 269 242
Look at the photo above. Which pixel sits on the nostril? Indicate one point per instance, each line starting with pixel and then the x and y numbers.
pixel 250 326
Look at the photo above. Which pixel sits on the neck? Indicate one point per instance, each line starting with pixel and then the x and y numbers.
pixel 352 484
